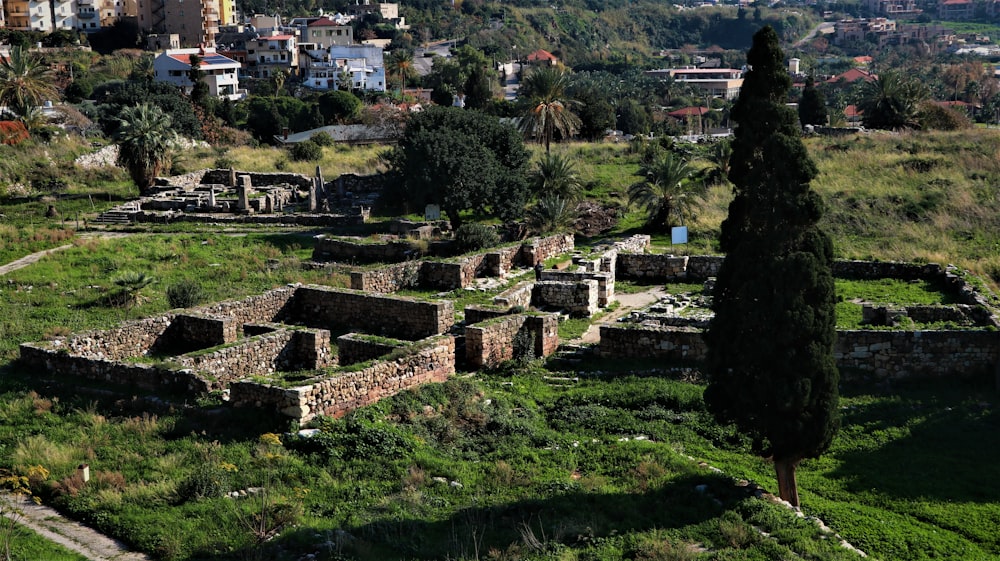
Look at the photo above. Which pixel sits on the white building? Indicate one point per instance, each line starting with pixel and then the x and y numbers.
pixel 361 64
pixel 172 66
pixel 40 15
pixel 267 55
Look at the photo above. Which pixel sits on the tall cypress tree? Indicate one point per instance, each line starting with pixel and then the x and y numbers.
pixel 770 360
pixel 812 106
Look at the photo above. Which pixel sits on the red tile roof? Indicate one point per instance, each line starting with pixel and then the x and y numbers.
pixel 853 75
pixel 541 54
pixel 688 112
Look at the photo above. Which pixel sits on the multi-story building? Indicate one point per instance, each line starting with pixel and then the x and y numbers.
pixel 88 17
pixel 893 8
pixel 956 9
pixel 40 15
pixel 325 32
pixel 715 82
pixel 270 54
pixel 196 22
pixel 360 65
pixel 220 73
pixel 114 10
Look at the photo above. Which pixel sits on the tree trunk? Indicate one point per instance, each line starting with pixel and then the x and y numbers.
pixel 788 489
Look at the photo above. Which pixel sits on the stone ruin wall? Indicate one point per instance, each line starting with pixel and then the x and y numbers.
pixel 222 177
pixel 434 361
pixel 131 339
pixel 579 298
pixel 451 275
pixel 880 354
pixel 492 342
pixel 263 308
pixel 334 249
pixel 353 348
pixel 605 285
pixel 43 357
pixel 405 318
pixel 283 350
pixel 297 219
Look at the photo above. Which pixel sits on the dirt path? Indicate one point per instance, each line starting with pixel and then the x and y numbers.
pixel 74 536
pixel 627 303
pixel 29 259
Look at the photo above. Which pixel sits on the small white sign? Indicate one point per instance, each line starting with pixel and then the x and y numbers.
pixel 679 235
pixel 432 212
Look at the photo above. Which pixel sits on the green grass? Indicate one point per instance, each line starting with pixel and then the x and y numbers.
pixel 851 294
pixel 26 545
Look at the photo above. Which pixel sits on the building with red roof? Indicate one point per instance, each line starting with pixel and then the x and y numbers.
pixel 542 57
pixel 853 75
pixel 219 72
pixel 956 9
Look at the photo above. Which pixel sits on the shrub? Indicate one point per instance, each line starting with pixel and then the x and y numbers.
pixel 306 150
pixel 208 480
pixel 185 294
pixel 322 139
pixel 473 236
pixel 13 132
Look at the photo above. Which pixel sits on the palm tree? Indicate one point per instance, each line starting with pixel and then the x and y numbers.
pixel 548 110
pixel 145 139
pixel 555 175
pixel 891 101
pixel 669 191
pixel 552 214
pixel 131 283
pixel 24 81
pixel 718 156
pixel 401 64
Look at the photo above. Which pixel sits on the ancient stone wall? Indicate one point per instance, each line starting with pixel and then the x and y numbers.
pixel 297 219
pixel 257 179
pixel 263 308
pixel 496 340
pixel 389 279
pixel 191 331
pixel 637 243
pixel 405 318
pixel 576 298
pixel 284 350
pixel 353 348
pixel 517 295
pixel 701 267
pixel 432 360
pixel 605 283
pixel 44 357
pixel 631 341
pixel 346 251
pixel 357 184
pixel 477 313
pixel 131 339
pixel 879 354
pixel 540 249
pixel 499 263
pixel 645 266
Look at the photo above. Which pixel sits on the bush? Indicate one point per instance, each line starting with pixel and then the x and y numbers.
pixel 207 481
pixel 185 294
pixel 473 236
pixel 306 150
pixel 322 139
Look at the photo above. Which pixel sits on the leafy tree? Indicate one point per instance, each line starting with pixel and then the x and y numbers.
pixel 633 118
pixel 812 106
pixel 478 89
pixel 473 236
pixel 25 81
pixel 339 106
pixel 145 140
pixel 669 190
pixel 268 116
pixel 461 160
pixel 548 111
pixel 770 363
pixel 891 101
pixel 555 176
pixel 306 151
pixel 596 112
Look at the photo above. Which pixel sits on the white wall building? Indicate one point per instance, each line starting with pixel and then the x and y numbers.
pixel 172 66
pixel 363 64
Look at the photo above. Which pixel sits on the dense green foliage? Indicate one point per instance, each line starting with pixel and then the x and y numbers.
pixel 461 160
pixel 145 142
pixel 812 106
pixel 770 362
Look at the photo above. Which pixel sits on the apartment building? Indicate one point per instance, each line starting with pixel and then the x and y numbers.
pixel 220 73
pixel 361 65
pixel 196 22
pixel 45 16
pixel 716 82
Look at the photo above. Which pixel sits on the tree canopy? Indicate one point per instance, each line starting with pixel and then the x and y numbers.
pixel 812 106
pixel 462 160
pixel 770 363
pixel 145 140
